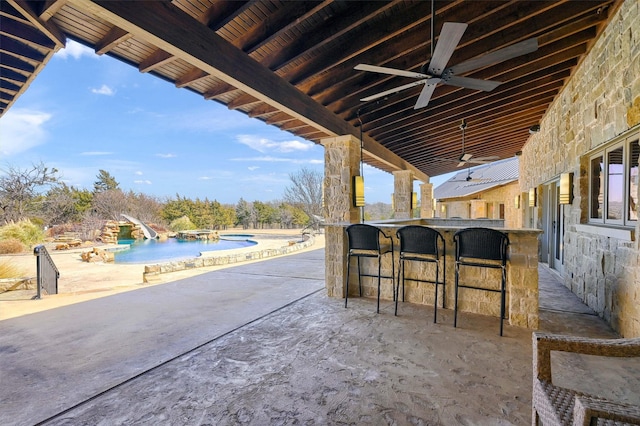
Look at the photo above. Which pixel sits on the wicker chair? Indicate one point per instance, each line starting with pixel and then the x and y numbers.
pixel 365 241
pixel 554 405
pixel 422 244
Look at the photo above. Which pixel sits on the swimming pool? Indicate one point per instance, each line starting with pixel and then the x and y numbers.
pixel 153 251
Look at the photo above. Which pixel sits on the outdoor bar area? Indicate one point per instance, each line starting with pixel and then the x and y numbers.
pixel 342 160
pixel 522 272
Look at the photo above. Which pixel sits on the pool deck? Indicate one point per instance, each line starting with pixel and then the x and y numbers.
pixel 261 343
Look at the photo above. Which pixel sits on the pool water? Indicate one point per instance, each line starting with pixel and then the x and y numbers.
pixel 150 251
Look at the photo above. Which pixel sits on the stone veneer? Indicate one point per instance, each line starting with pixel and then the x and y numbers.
pixel 598 103
pixel 152 273
pixel 522 276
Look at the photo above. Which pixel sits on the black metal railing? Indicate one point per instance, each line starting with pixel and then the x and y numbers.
pixel 47 272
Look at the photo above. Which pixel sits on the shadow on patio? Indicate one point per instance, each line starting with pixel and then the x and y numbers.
pixel 272 348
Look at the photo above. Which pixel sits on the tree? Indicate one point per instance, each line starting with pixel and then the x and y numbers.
pixel 305 191
pixel 20 188
pixel 105 182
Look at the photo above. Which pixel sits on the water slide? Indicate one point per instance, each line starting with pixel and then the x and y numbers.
pixel 149 233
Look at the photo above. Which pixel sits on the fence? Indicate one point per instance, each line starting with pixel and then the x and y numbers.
pixel 47 272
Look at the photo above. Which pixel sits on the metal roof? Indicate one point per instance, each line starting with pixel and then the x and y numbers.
pixel 482 178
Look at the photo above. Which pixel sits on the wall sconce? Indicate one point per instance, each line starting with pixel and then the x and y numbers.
pixel 358 191
pixel 566 188
pixel 517 201
pixel 414 200
pixel 534 129
pixel 533 197
pixel 393 204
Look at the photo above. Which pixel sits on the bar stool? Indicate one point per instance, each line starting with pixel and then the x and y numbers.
pixel 422 244
pixel 483 248
pixel 365 241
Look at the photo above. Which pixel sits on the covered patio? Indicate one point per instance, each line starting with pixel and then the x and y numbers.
pixel 263 344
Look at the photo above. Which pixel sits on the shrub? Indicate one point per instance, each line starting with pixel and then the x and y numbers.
pixel 24 231
pixel 7 270
pixel 182 224
pixel 11 246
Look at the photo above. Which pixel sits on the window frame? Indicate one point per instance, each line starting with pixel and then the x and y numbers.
pixel 625 143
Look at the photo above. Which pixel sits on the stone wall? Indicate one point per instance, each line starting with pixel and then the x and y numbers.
pixel 476 208
pixel 600 102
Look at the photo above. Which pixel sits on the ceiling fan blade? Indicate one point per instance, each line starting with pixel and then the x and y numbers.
pixel 461 164
pixel 394 90
pixel 513 51
pixel 489 158
pixel 447 42
pixel 472 83
pixel 466 157
pixel 427 91
pixel 389 71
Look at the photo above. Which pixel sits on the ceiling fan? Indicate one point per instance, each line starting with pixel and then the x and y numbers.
pixel 435 71
pixel 465 158
pixel 469 178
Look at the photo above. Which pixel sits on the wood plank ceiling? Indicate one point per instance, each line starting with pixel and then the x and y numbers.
pixel 291 63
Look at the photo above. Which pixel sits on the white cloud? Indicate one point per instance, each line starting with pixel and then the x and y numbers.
pixel 166 155
pixel 21 130
pixel 252 168
pixel 139 173
pixel 205 178
pixel 265 145
pixel 95 153
pixel 104 90
pixel 75 50
pixel 145 182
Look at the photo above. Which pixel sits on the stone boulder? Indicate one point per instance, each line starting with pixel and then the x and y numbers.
pixel 98 255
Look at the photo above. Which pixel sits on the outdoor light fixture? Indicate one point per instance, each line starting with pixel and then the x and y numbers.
pixel 533 199
pixel 517 201
pixel 534 129
pixel 414 200
pixel 358 191
pixel 566 188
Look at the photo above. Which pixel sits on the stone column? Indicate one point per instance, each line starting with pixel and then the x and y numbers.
pixel 478 209
pixel 402 193
pixel 341 163
pixel 426 200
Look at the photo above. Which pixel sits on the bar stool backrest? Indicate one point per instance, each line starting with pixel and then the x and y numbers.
pixel 481 243
pixel 363 237
pixel 418 239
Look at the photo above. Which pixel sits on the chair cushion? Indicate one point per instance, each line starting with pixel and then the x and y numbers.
pixel 553 404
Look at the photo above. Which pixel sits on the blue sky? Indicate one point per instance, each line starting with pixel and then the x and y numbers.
pixel 86 112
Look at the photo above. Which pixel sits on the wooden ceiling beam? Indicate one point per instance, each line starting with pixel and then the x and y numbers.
pixel 20 50
pixel 261 110
pixel 162 24
pixel 50 8
pixel 478 98
pixel 242 101
pixel 114 37
pixel 191 76
pixel 16 64
pixel 11 75
pixel 155 60
pixel 316 38
pixel 288 24
pixel 222 12
pixel 48 28
pixel 280 117
pixel 26 33
pixel 219 90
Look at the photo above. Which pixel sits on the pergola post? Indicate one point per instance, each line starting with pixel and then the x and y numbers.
pixel 402 194
pixel 426 201
pixel 341 164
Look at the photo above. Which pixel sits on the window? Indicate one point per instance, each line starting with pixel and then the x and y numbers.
pixel 613 182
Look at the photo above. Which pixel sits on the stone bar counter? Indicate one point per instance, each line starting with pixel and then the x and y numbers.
pixel 522 271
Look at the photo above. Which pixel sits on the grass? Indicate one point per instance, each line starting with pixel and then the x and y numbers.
pixel 24 231
pixel 8 270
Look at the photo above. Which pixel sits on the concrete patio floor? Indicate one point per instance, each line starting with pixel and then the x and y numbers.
pixel 263 344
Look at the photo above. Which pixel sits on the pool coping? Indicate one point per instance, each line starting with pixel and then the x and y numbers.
pixel 152 273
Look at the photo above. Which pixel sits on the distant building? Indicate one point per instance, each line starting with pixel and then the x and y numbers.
pixel 489 191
